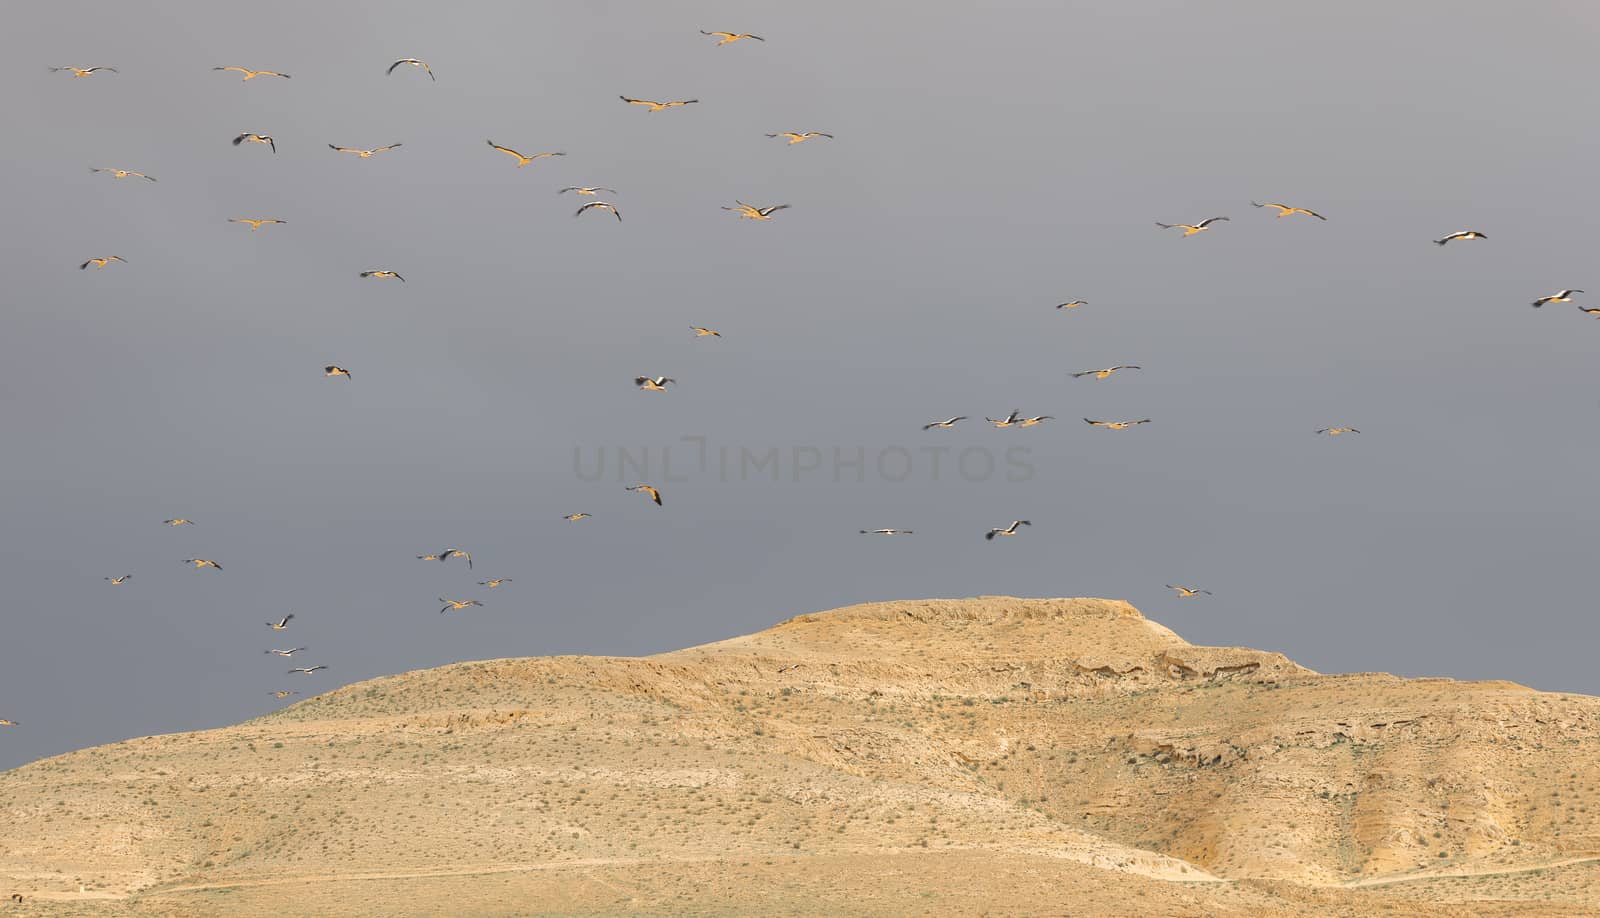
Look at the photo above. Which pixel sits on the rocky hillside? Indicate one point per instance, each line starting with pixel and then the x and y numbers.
pixel 1020 755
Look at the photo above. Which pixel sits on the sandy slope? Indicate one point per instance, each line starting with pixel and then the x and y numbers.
pixel 1062 756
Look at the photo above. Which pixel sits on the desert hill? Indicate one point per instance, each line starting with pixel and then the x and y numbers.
pixel 992 755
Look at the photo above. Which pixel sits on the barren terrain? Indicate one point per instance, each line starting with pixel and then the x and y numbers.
pixel 984 756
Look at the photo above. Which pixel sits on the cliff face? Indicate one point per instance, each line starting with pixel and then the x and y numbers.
pixel 951 738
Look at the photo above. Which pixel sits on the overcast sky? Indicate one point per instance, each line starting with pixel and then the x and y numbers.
pixel 990 161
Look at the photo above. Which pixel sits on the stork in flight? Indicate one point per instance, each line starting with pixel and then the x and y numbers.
pixel 256 138
pixel 1189 229
pixel 382 274
pixel 1464 234
pixel 1073 304
pixel 653 383
pixel 83 71
pixel 415 63
pixel 285 653
pixel 457 604
pixel 1007 421
pixel 8 723
pixel 306 670
pixel 1035 421
pixel 944 424
pixel 730 37
pixel 657 106
pixel 795 138
pixel 704 332
pixel 283 694
pixel 180 521
pixel 449 553
pixel 202 562
pixel 365 154
pixel 1008 531
pixel 281 623
pixel 647 491
pixel 491 584
pixel 886 532
pixel 521 159
pixel 336 371
pixel 601 205
pixel 102 262
pixel 574 517
pixel 751 212
pixel 1186 592
pixel 255 224
pixel 587 189
pixel 123 173
pixel 119 581
pixel 1285 210
pixel 1335 431
pixel 1117 425
pixel 1564 296
pixel 1102 374
pixel 429 558
pixel 1590 310
pixel 252 74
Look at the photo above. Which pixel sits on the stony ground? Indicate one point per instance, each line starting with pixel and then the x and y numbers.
pixel 987 756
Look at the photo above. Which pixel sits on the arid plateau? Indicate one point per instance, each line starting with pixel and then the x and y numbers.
pixel 994 756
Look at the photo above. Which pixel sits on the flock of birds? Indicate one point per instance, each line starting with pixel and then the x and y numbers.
pixel 660 383
pixel 332 370
pixel 282 623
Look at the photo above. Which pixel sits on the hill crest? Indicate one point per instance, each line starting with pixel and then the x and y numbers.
pixel 981 738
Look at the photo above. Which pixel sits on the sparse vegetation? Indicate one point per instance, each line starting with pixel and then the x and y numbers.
pixel 955 748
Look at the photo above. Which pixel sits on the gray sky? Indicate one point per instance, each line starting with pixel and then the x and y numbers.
pixel 991 161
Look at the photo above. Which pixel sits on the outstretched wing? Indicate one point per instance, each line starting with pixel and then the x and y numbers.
pixel 507 150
